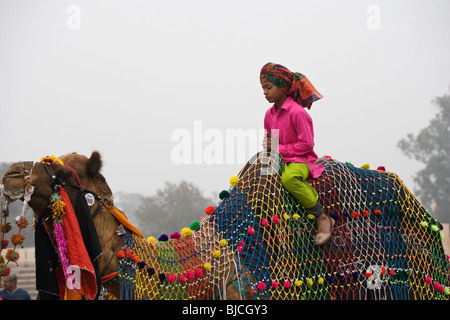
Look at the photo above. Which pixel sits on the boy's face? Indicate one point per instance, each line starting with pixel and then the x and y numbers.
pixel 271 92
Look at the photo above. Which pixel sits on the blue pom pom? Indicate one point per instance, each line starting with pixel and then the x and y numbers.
pixel 335 216
pixel 151 271
pixel 163 237
pixel 330 278
pixel 162 276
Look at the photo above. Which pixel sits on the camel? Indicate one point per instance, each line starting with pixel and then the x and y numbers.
pixel 80 170
pixel 258 243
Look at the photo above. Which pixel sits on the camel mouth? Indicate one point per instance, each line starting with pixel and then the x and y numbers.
pixel 12 196
pixel 12 186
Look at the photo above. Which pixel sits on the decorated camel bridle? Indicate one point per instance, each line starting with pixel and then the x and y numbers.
pixel 57 205
pixel 91 197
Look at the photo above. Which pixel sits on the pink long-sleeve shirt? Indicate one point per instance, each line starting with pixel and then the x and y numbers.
pixel 296 134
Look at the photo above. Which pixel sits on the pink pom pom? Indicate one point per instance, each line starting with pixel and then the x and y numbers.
pixel 261 286
pixel 171 278
pixel 436 286
pixel 327 157
pixel 182 279
pixel 191 275
pixel 381 168
pixel 241 246
pixel 286 284
pixel 199 272
pixel 251 230
pixel 175 235
pixel 264 223
pixel 275 219
pixel 428 280
pixel 274 285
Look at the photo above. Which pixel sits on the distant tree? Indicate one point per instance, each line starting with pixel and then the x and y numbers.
pixel 432 147
pixel 172 208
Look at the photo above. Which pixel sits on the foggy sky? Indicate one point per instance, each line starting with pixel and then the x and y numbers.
pixel 132 73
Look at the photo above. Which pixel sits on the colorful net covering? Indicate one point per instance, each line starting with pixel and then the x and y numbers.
pixel 385 245
pixel 194 265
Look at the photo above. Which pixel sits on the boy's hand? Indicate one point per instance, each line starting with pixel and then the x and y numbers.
pixel 267 142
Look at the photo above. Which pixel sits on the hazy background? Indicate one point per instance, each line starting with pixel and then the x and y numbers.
pixel 121 76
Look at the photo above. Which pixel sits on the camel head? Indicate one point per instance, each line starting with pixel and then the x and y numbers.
pixel 36 179
pixel 31 181
pixel 34 183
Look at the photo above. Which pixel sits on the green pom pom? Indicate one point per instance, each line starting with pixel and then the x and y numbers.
pixel 447 290
pixel 435 228
pixel 224 194
pixel 424 224
pixel 194 225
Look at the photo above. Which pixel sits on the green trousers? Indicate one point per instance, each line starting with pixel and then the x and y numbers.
pixel 293 180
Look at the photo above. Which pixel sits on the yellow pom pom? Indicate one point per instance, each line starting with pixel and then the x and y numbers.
pixel 298 283
pixel 223 242
pixel 365 166
pixel 207 266
pixel 310 282
pixel 234 180
pixel 50 159
pixel 286 216
pixel 310 216
pixel 216 254
pixel 296 216
pixel 320 281
pixel 151 239
pixel 186 232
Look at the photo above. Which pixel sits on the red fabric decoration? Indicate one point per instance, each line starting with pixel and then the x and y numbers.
pixel 78 255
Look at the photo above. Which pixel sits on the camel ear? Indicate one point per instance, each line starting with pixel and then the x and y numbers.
pixel 94 164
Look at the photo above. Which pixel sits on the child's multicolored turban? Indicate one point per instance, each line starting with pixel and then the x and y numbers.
pixel 293 84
